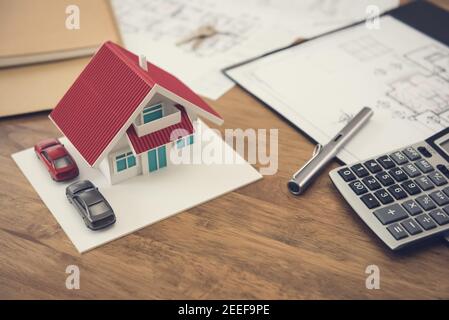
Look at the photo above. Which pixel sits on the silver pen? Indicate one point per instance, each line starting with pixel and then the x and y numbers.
pixel 322 155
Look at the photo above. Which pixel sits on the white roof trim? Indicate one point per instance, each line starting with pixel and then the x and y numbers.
pixel 187 104
pixel 131 145
pixel 143 62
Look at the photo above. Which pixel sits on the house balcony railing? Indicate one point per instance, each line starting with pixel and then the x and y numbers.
pixel 156 125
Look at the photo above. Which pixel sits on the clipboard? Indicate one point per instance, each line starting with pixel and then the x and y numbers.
pixel 424 17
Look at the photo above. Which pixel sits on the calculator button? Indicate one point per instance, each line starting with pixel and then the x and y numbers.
pixel 440 216
pixel 446 191
pixel 370 201
pixel 424 152
pixel 373 166
pixel 411 226
pixel 390 214
pixel 412 154
pixel 412 207
pixel 399 157
pixel 386 162
pixel 425 202
pixel 425 222
pixel 397 192
pixel 385 178
pixel 383 196
pixel 371 183
pixel 398 174
pixel 437 178
pixel 440 198
pixel 424 166
pixel 411 170
pixel 360 170
pixel 346 174
pixel 424 183
pixel 358 187
pixel 397 231
pixel 444 170
pixel 411 187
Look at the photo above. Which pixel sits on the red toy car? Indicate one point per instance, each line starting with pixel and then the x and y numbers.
pixel 56 159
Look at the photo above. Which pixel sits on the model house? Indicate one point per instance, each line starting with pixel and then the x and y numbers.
pixel 123 114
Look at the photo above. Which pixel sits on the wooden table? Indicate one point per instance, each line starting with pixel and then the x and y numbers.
pixel 257 242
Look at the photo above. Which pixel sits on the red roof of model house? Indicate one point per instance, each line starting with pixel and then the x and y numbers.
pixel 109 94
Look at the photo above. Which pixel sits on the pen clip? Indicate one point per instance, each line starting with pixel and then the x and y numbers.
pixel 317 150
pixel 315 153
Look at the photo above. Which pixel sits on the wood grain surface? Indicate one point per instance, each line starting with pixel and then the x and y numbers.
pixel 257 242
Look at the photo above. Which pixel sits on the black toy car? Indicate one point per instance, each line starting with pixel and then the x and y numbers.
pixel 91 205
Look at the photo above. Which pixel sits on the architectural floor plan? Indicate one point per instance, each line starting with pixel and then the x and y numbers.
pixel 245 29
pixel 402 74
pixel 421 95
pixel 425 93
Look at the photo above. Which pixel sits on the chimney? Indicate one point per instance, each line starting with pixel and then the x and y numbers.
pixel 143 62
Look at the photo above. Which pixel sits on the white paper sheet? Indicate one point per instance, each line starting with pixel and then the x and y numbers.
pixel 319 85
pixel 140 201
pixel 153 27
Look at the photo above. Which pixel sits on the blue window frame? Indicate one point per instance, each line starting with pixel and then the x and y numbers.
pixel 157 158
pixel 152 113
pixel 184 141
pixel 180 143
pixel 152 160
pixel 121 162
pixel 162 157
pixel 125 161
pixel 131 161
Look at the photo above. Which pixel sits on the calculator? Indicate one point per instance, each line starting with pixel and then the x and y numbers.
pixel 403 195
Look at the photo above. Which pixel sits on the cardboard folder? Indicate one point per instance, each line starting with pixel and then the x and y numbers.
pixel 34 28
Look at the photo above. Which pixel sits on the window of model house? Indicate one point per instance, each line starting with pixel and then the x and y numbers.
pixel 124 161
pixel 152 112
pixel 184 141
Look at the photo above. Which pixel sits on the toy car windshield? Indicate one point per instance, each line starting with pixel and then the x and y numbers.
pixel 98 208
pixel 62 162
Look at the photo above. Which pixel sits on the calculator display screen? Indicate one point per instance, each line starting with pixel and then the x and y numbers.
pixel 445 145
pixel 440 143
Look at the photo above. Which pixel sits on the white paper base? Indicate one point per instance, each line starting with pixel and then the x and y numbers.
pixel 137 202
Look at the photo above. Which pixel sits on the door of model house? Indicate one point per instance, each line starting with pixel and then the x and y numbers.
pixel 157 158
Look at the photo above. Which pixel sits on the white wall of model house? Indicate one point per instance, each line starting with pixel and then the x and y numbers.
pixel 108 166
